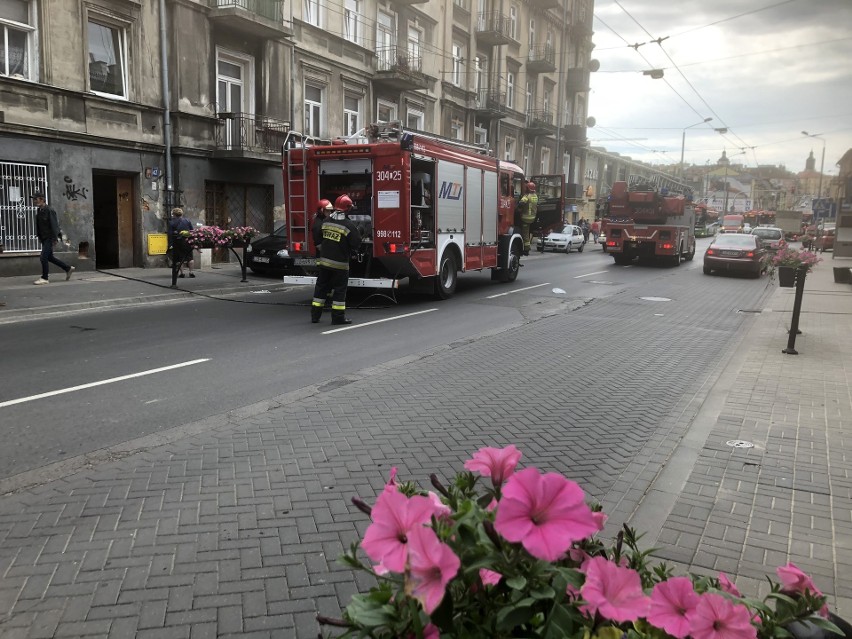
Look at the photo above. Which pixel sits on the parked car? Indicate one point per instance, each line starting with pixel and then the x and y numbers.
pixel 735 252
pixel 269 254
pixel 824 240
pixel 570 237
pixel 771 236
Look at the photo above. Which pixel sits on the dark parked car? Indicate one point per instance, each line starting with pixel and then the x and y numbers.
pixel 269 254
pixel 735 252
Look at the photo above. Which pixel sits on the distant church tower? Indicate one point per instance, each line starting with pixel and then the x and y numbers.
pixel 724 161
pixel 810 163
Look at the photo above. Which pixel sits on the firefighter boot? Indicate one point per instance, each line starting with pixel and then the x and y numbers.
pixel 338 318
pixel 316 314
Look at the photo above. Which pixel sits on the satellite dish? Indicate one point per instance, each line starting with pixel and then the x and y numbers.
pixel 590 122
pixel 594 65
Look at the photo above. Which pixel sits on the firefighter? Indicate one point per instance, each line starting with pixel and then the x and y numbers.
pixel 340 238
pixel 324 209
pixel 529 208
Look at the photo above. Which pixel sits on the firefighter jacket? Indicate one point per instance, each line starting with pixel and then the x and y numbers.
pixel 340 238
pixel 529 208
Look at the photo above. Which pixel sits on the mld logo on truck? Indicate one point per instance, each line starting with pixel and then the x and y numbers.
pixel 450 191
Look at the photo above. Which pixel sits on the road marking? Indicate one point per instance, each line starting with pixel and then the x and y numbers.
pixel 387 319
pixel 112 380
pixel 517 290
pixel 576 277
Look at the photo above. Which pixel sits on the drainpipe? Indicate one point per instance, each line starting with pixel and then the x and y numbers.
pixel 167 122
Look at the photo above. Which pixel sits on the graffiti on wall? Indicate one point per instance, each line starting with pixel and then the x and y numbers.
pixel 72 191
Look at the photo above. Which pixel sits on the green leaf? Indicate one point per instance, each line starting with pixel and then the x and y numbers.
pixel 513 616
pixel 545 592
pixel 560 625
pixel 517 582
pixel 366 611
pixel 780 597
pixel 825 624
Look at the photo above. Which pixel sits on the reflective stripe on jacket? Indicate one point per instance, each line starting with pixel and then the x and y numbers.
pixel 339 238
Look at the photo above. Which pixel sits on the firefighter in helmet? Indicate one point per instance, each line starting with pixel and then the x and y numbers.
pixel 340 238
pixel 324 209
pixel 529 208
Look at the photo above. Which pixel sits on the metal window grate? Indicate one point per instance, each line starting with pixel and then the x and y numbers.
pixel 18 182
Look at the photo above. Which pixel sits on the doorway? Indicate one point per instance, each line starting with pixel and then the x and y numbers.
pixel 112 201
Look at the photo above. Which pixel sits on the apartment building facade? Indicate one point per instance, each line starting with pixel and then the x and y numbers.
pixel 116 133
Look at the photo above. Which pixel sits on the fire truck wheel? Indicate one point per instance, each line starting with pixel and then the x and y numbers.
pixel 688 257
pixel 445 282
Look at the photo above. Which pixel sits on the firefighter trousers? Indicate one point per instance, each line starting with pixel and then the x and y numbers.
pixel 334 281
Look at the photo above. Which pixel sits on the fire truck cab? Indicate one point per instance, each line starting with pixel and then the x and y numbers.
pixel 426 208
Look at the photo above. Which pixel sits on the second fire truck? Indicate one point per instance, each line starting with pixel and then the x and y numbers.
pixel 426 208
pixel 648 223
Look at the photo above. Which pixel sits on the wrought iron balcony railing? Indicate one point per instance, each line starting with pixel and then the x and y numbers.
pixel 398 59
pixel 248 132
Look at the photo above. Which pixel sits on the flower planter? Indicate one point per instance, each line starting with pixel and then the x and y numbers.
pixel 786 276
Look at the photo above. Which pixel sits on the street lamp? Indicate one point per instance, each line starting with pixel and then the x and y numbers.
pixel 821 162
pixel 683 144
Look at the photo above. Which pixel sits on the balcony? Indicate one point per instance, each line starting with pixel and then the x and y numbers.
pixel 577 80
pixel 544 5
pixel 574 134
pixel 540 122
pixel 542 59
pixel 494 28
pixel 408 3
pixel 399 69
pixel 255 18
pixel 574 191
pixel 246 136
pixel 490 104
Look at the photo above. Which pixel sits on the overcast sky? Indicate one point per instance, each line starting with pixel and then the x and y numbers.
pixel 764 69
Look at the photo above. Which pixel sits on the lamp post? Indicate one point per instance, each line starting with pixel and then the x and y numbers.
pixel 683 144
pixel 821 163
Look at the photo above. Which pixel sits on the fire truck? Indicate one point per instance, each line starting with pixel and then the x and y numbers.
pixel 427 208
pixel 649 223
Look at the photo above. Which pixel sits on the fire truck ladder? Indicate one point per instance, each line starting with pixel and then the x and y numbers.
pixel 297 205
pixel 394 131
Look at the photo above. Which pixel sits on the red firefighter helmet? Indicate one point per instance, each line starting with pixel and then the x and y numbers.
pixel 530 187
pixel 323 205
pixel 343 203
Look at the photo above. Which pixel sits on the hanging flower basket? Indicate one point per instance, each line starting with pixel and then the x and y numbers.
pixel 786 276
pixel 214 237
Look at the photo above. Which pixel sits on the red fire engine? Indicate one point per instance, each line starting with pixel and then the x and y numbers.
pixel 426 208
pixel 649 224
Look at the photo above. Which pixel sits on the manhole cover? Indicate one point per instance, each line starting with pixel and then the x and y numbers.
pixel 655 299
pixel 739 443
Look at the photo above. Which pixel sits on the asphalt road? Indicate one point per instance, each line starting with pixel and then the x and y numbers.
pixel 205 357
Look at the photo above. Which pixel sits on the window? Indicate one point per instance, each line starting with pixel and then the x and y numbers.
pixel 513 22
pixel 234 73
pixel 17 210
pixel 527 154
pixel 312 12
pixel 457 129
pixel 529 103
pixel 385 111
pixel 480 65
pixel 510 90
pixel 415 119
pixel 16 38
pixel 353 21
pixel 548 96
pixel 566 163
pixel 385 40
pixel 414 48
pixel 313 110
pixel 351 114
pixel 532 33
pixel 107 59
pixel 544 168
pixel 458 61
pixel 480 135
pixel 510 150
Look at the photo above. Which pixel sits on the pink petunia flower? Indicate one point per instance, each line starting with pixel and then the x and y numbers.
pixel 546 513
pixel 671 600
pixel 795 581
pixel 717 617
pixel 613 591
pixel 394 516
pixel 726 585
pixel 489 577
pixel 431 566
pixel 497 463
pixel 441 509
pixel 600 519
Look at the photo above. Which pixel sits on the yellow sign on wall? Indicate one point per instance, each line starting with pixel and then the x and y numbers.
pixel 158 243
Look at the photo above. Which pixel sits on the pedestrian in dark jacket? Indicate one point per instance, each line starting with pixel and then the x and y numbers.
pixel 340 238
pixel 47 230
pixel 181 250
